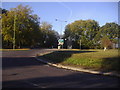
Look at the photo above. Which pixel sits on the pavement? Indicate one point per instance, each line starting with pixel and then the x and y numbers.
pixel 20 69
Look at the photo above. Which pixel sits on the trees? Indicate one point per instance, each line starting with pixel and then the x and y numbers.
pixel 105 42
pixel 3 11
pixel 25 25
pixel 49 36
pixel 90 34
pixel 22 28
pixel 84 30
pixel 110 31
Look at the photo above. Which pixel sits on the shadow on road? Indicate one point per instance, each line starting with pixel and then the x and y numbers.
pixel 14 62
pixel 76 80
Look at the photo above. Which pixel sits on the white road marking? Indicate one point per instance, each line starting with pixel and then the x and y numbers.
pixel 31 83
pixel 36 85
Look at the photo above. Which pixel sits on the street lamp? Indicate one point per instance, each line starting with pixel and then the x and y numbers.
pixel 61 27
pixel 14 30
pixel 61 23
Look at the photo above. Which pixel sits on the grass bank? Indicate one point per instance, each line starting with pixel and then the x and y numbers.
pixel 90 59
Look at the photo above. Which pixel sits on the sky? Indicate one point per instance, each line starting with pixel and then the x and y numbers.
pixel 102 12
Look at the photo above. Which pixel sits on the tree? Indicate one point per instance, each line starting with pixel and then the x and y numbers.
pixel 84 30
pixel 90 33
pixel 105 42
pixel 2 11
pixel 111 30
pixel 49 36
pixel 24 23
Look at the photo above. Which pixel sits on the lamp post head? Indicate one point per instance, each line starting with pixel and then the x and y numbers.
pixel 60 20
pixel 56 19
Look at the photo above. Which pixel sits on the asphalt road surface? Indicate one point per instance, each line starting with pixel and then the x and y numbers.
pixel 20 69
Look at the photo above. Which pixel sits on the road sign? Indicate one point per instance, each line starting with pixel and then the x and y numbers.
pixel 61 41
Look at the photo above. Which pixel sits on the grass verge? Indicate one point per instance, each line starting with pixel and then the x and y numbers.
pixel 14 49
pixel 91 59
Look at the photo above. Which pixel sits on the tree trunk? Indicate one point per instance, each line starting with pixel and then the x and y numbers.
pixel 19 45
pixel 104 48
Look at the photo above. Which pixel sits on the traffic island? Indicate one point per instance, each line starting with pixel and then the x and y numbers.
pixel 50 59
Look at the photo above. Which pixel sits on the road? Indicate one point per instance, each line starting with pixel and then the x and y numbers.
pixel 20 69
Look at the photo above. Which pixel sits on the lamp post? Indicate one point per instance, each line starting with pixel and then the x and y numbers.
pixel 61 27
pixel 14 30
pixel 61 23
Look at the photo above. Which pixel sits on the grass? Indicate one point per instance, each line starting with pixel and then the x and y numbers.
pixel 14 49
pixel 90 59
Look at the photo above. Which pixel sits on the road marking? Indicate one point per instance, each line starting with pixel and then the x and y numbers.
pixel 31 83
pixel 36 85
